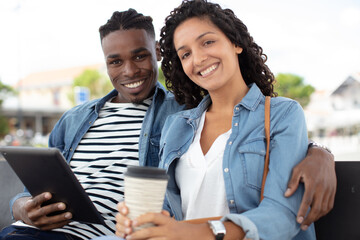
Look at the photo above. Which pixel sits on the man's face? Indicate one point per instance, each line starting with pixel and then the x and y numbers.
pixel 131 59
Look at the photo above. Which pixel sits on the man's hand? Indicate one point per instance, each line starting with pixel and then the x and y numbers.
pixel 317 172
pixel 30 211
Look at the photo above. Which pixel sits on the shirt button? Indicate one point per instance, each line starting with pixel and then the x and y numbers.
pixel 145 134
pixel 179 153
pixel 232 201
pixel 90 122
pixel 230 142
pixel 226 170
pixel 237 108
pixel 70 149
pixel 236 124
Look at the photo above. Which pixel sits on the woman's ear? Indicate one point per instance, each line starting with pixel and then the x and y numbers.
pixel 238 49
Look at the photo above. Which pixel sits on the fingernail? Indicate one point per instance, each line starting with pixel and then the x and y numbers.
pixel 128 237
pixel 287 192
pixel 127 230
pixel 300 219
pixel 61 206
pixel 68 215
pixel 47 195
pixel 134 223
pixel 127 223
pixel 123 211
pixel 304 227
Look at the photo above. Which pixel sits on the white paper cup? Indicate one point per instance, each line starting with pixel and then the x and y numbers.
pixel 145 189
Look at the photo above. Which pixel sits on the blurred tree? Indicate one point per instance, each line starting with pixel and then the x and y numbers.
pixel 161 77
pixel 5 91
pixel 293 86
pixel 98 84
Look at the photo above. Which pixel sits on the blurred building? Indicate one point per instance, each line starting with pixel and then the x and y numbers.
pixel 41 100
pixel 333 118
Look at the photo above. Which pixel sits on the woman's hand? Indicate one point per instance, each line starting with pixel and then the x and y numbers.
pixel 123 223
pixel 168 228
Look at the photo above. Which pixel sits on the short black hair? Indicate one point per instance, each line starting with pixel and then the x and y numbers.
pixel 126 20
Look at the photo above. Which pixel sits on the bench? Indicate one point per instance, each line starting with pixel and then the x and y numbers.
pixel 10 185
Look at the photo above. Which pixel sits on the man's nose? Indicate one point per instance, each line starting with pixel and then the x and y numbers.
pixel 130 69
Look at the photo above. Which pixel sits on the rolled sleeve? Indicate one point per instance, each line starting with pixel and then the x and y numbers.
pixel 245 223
pixel 12 201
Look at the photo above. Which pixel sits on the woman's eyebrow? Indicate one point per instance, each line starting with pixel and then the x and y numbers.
pixel 200 36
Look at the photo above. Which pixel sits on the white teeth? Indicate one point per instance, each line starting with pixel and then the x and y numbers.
pixel 134 85
pixel 207 71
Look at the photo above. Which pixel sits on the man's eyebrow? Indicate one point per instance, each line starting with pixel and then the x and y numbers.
pixel 133 52
pixel 113 56
pixel 200 36
pixel 138 50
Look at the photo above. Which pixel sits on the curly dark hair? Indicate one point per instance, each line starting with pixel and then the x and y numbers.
pixel 126 20
pixel 252 59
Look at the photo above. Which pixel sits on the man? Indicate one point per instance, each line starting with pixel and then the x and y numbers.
pixel 101 138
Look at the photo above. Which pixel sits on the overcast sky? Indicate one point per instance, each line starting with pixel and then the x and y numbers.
pixel 316 39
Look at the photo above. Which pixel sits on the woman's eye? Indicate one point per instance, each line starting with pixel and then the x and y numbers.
pixel 208 42
pixel 185 55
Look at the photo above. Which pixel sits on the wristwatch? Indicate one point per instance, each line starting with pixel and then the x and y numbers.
pixel 315 144
pixel 218 229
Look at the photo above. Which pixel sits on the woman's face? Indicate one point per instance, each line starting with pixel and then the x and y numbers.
pixel 207 56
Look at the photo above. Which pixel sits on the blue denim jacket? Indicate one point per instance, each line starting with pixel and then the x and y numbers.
pixel 243 164
pixel 74 124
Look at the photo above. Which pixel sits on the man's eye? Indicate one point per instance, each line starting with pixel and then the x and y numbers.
pixel 115 62
pixel 140 57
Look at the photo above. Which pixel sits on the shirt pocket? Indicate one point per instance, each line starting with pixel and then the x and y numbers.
pixel 154 150
pixel 252 155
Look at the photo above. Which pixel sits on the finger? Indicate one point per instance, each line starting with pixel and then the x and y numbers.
pixel 122 208
pixel 318 209
pixel 293 182
pixel 46 210
pixel 311 217
pixel 145 233
pixel 53 220
pixel 305 204
pixel 166 213
pixel 155 218
pixel 41 198
pixel 123 230
pixel 55 225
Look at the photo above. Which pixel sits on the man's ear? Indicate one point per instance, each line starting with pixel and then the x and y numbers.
pixel 157 48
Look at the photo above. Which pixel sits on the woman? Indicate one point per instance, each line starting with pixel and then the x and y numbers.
pixel 214 152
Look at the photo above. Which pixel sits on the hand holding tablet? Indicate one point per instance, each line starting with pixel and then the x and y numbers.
pixel 45 170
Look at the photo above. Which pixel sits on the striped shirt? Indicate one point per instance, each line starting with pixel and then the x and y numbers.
pixel 101 158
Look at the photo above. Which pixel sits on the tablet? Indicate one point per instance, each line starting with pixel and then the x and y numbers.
pixel 46 170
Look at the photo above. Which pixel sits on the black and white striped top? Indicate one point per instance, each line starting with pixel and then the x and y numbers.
pixel 101 158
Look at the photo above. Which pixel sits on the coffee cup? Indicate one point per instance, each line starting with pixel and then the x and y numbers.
pixel 145 189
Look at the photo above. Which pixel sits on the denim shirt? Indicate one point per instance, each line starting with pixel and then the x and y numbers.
pixel 74 124
pixel 243 164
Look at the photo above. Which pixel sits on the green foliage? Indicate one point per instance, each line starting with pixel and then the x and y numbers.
pixel 5 91
pixel 98 84
pixel 161 77
pixel 4 126
pixel 293 86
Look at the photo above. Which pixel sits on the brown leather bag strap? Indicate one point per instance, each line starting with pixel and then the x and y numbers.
pixel 266 164
pixel 267 135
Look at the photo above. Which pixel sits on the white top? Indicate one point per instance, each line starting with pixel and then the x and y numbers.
pixel 200 178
